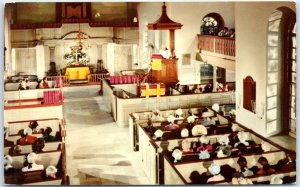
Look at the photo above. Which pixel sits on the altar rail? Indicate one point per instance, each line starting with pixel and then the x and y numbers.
pixel 217 44
pixel 66 80
pixel 96 78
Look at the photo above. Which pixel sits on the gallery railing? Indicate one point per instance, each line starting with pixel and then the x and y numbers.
pixel 217 44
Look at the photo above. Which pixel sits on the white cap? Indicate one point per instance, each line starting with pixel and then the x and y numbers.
pixel 171 118
pixel 275 179
pixel 8 160
pixel 224 139
pixel 184 133
pixel 191 119
pixel 177 154
pixel 32 157
pixel 51 170
pixel 179 111
pixel 216 107
pixel 204 139
pixel 243 136
pixel 158 133
pixel 214 169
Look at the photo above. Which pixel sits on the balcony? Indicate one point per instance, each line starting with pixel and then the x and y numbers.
pixel 217 44
pixel 217 51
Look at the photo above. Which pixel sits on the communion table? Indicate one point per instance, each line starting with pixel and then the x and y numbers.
pixel 77 73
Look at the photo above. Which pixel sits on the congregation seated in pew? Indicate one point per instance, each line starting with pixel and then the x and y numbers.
pixel 35 168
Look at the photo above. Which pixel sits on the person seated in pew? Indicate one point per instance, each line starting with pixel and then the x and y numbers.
pixel 198 89
pixel 47 136
pixel 39 85
pixel 243 170
pixel 33 125
pixel 7 143
pixel 9 170
pixel 215 170
pixel 264 167
pixel 204 144
pixel 287 164
pixel 8 162
pixel 208 88
pixel 15 150
pixel 26 138
pixel 186 146
pixel 51 172
pixel 224 151
pixel 38 146
pixel 206 119
pixel 244 138
pixel 31 163
pixel 24 85
pixel 45 83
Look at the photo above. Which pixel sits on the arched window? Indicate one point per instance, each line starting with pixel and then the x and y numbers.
pixel 281 72
pixel 211 24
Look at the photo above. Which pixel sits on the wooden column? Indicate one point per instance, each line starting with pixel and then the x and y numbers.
pixel 172 42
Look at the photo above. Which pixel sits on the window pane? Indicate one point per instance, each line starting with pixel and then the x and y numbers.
pixel 293 101
pixel 272 65
pixel 271 90
pixel 271 115
pixel 294 41
pixel 293 113
pixel 271 126
pixel 293 89
pixel 293 65
pixel 275 15
pixel 273 40
pixel 294 78
pixel 271 102
pixel 274 25
pixel 293 125
pixel 294 52
pixel 272 78
pixel 272 52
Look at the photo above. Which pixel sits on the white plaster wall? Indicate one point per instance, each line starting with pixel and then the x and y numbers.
pixel 251 33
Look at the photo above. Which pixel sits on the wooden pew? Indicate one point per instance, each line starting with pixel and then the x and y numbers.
pixel 137 118
pixel 56 158
pixel 26 149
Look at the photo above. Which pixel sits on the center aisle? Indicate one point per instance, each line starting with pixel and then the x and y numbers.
pixel 97 150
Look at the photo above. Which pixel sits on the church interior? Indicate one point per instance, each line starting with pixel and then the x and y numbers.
pixel 150 93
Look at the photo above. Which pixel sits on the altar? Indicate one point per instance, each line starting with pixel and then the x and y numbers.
pixel 78 73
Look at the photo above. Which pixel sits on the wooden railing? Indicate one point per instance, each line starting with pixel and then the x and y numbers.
pixel 96 78
pixel 217 44
pixel 66 80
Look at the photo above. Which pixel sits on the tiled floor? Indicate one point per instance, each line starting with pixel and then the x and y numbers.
pixel 97 150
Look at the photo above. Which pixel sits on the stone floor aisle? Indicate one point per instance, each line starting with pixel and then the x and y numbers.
pixel 97 150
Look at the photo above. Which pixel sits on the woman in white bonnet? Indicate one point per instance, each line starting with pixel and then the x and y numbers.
pixel 32 166
pixel 8 162
pixel 51 172
pixel 215 170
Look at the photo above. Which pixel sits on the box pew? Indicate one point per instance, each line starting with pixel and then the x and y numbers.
pixel 150 149
pixel 26 149
pixel 200 166
pixel 137 118
pixel 14 86
pixel 56 158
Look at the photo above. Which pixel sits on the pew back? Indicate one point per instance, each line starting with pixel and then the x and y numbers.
pixel 15 127
pixel 26 149
pixel 45 158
